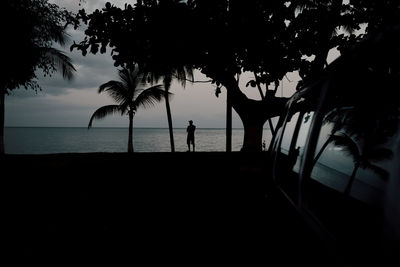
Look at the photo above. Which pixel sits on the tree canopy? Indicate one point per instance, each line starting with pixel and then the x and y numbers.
pixel 33 26
pixel 224 38
pixel 217 37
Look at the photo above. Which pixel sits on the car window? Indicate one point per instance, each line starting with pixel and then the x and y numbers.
pixel 288 133
pixel 349 175
pixel 340 165
pixel 348 182
pixel 289 147
pixel 301 141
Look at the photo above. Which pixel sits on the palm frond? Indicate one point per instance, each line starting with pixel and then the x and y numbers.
pixel 103 112
pixel 350 147
pixel 302 5
pixel 151 77
pixel 184 74
pixel 130 78
pixel 59 35
pixel 60 61
pixel 189 73
pixel 382 173
pixel 124 107
pixel 124 77
pixel 116 90
pixel 348 28
pixel 149 97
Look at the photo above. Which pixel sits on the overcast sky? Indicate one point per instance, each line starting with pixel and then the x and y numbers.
pixel 70 104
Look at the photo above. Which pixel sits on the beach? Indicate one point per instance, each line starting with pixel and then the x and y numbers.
pixel 152 208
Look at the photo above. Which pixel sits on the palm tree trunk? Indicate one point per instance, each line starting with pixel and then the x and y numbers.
pixel 352 178
pixel 2 110
pixel 167 85
pixel 130 138
pixel 228 123
pixel 170 127
pixel 322 150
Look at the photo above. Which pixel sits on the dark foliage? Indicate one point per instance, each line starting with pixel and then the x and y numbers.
pixel 225 38
pixel 32 28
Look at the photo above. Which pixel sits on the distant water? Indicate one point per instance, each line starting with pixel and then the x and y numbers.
pixel 45 140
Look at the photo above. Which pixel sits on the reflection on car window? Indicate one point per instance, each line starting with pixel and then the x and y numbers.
pixel 290 150
pixel 283 156
pixel 347 186
pixel 331 166
pixel 338 157
pixel 343 163
pixel 288 134
pixel 298 151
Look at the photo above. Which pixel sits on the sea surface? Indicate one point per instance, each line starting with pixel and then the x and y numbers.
pixel 48 140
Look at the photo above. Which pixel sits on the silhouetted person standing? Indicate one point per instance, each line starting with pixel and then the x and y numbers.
pixel 190 135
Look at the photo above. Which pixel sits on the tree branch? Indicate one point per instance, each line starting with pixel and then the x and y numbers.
pixel 271 126
pixel 259 86
pixel 193 81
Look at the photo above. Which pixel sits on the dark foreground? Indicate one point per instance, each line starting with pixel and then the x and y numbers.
pixel 150 208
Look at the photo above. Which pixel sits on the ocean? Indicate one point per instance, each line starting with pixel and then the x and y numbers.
pixel 49 140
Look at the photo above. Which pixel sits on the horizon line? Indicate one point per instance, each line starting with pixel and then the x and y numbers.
pixel 120 127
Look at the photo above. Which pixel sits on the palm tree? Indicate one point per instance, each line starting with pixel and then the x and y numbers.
pixel 361 157
pixel 337 118
pixel 167 74
pixel 47 55
pixel 342 120
pixel 129 98
pixel 165 59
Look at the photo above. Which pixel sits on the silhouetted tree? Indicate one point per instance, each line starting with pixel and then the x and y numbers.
pixel 377 15
pixel 322 25
pixel 149 35
pixel 33 26
pixel 224 38
pixel 129 98
pixel 247 36
pixel 362 100
pixel 161 66
pixel 220 38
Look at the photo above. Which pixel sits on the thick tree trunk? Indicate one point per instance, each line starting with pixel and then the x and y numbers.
pixel 228 123
pixel 252 140
pixel 253 113
pixel 2 110
pixel 130 137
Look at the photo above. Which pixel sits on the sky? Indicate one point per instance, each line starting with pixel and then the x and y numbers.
pixel 71 103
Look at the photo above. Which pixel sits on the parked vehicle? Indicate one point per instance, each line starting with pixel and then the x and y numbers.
pixel 336 154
